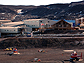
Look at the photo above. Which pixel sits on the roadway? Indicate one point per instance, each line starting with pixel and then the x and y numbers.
pixel 40 36
pixel 56 35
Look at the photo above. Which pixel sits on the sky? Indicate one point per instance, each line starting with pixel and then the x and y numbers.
pixel 34 2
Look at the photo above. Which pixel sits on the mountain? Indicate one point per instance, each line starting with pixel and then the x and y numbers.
pixel 53 11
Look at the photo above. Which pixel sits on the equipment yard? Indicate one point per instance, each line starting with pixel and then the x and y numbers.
pixel 50 55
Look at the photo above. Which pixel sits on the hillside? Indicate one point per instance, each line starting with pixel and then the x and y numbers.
pixel 52 11
pixel 42 43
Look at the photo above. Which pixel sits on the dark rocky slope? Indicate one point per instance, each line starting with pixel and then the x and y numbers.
pixel 52 11
pixel 41 43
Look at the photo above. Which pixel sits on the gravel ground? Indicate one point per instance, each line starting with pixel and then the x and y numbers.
pixel 51 55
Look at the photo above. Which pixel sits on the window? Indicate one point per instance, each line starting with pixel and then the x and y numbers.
pixel 60 25
pixel 41 21
pixel 27 25
pixel 29 21
pixel 19 29
pixel 57 25
pixel 64 29
pixel 81 27
pixel 67 24
pixel 64 25
pixel 60 29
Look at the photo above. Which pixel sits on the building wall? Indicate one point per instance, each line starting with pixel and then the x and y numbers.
pixel 32 24
pixel 28 29
pixel 9 30
pixel 39 23
pixel 79 21
pixel 45 23
pixel 0 34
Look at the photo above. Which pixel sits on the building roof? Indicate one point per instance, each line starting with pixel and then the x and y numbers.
pixel 33 19
pixel 60 21
pixel 69 21
pixel 9 27
pixel 5 20
pixel 13 23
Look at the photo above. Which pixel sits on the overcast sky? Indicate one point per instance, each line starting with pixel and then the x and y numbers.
pixel 34 2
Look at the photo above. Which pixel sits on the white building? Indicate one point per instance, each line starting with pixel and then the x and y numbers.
pixel 38 23
pixel 10 29
pixel 13 26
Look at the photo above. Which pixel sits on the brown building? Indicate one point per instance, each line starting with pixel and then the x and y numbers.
pixel 61 25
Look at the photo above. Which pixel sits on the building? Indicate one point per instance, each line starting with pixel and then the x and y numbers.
pixel 19 24
pixel 81 27
pixel 79 21
pixel 10 30
pixel 72 22
pixel 36 24
pixel 26 26
pixel 61 25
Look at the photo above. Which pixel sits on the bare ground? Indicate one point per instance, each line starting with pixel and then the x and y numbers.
pixel 52 55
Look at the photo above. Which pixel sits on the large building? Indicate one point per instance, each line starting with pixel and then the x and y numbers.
pixel 72 22
pixel 10 30
pixel 12 25
pixel 36 24
pixel 61 25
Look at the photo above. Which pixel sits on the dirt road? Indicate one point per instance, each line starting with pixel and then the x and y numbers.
pixel 51 55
